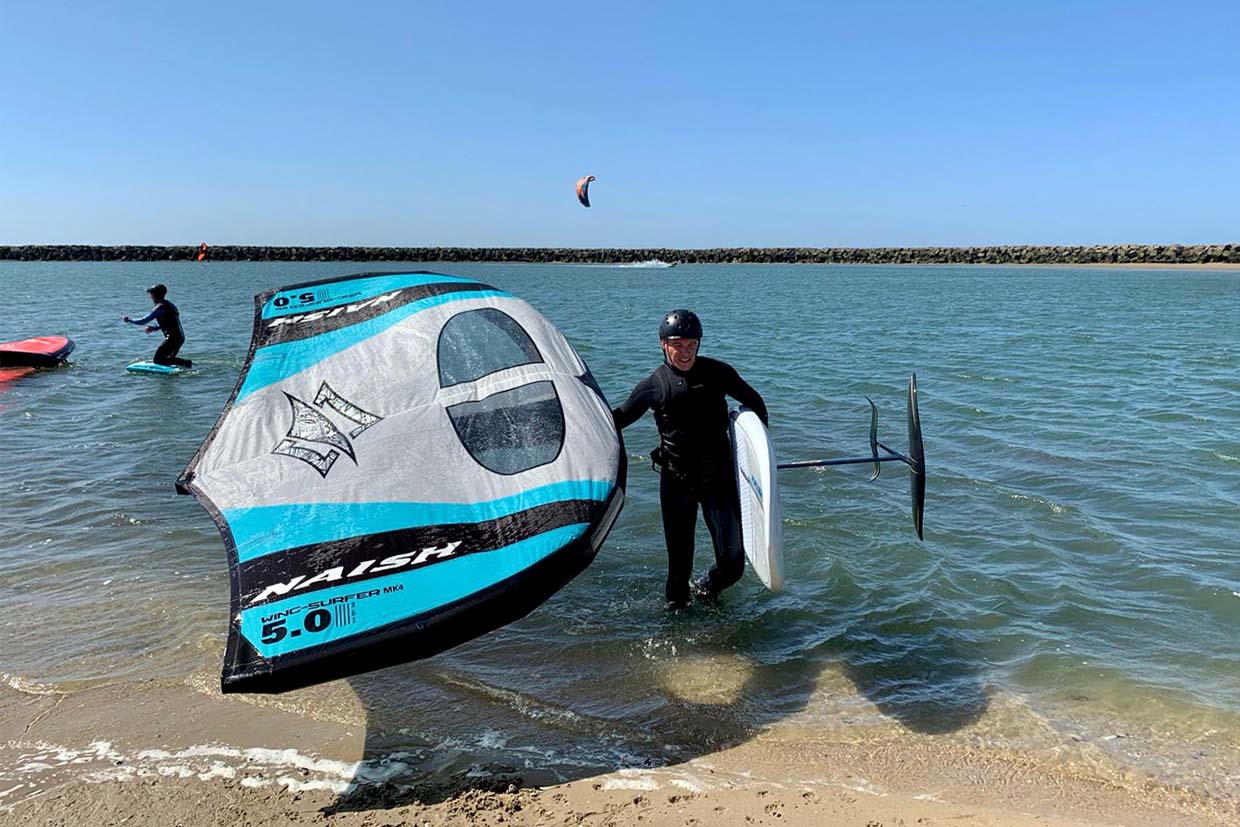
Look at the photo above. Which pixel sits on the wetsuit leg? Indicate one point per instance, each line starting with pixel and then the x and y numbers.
pixel 166 354
pixel 679 506
pixel 723 519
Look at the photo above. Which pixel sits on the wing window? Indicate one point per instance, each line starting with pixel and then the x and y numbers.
pixel 514 430
pixel 476 343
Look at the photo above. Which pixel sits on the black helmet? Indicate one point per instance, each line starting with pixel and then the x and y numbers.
pixel 681 324
pixel 158 291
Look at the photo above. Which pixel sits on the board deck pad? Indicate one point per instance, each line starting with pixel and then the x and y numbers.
pixel 761 518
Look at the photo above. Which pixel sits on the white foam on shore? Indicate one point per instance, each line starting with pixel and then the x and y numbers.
pixel 862 785
pixel 296 785
pixel 40 765
pixel 646 784
pixel 27 686
pixel 648 780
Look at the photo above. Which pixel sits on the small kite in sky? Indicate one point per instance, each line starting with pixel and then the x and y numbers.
pixel 583 190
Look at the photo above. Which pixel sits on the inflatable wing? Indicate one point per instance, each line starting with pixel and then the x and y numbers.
pixel 583 190
pixel 408 461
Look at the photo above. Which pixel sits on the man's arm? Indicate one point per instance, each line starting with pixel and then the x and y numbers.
pixel 742 392
pixel 154 314
pixel 635 406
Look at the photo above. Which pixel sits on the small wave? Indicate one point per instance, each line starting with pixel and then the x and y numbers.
pixel 629 779
pixel 1055 507
pixel 27 686
pixel 527 705
pixel 119 519
pixel 333 701
pixel 259 767
pixel 1225 457
pixel 969 377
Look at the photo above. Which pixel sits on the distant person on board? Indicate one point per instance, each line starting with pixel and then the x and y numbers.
pixel 688 395
pixel 167 319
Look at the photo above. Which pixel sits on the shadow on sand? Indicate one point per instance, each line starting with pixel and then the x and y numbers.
pixel 490 733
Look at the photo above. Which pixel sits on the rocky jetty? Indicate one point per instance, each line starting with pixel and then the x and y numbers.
pixel 1024 254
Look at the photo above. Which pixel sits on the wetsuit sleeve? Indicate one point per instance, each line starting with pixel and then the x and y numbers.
pixel 742 392
pixel 635 406
pixel 154 314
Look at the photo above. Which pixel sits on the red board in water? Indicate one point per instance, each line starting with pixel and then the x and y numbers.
pixel 39 352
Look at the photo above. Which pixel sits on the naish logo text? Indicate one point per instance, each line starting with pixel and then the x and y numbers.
pixel 332 312
pixel 311 426
pixel 337 574
pixel 753 483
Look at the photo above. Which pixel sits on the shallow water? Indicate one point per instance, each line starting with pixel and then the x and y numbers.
pixel 1082 433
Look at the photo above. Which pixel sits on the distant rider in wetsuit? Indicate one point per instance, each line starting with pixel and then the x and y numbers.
pixel 687 393
pixel 168 319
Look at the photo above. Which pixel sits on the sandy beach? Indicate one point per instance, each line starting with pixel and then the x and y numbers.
pixel 176 754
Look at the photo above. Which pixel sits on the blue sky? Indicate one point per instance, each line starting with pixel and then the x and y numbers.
pixel 706 124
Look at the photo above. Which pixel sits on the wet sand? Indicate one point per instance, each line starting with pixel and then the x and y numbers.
pixel 171 754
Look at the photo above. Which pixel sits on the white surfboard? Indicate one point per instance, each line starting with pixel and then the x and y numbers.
pixel 762 526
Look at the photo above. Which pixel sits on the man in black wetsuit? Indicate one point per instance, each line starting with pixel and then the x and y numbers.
pixel 687 393
pixel 168 319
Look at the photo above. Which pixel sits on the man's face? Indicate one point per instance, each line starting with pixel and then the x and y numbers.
pixel 681 353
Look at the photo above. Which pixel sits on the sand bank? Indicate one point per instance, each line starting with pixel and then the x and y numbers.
pixel 169 754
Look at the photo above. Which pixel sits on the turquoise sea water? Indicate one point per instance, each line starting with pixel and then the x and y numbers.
pixel 1080 573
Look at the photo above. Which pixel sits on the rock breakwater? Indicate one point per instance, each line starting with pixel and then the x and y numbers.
pixel 1025 254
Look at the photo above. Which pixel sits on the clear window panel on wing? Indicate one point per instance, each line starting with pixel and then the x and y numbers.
pixel 514 430
pixel 476 343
